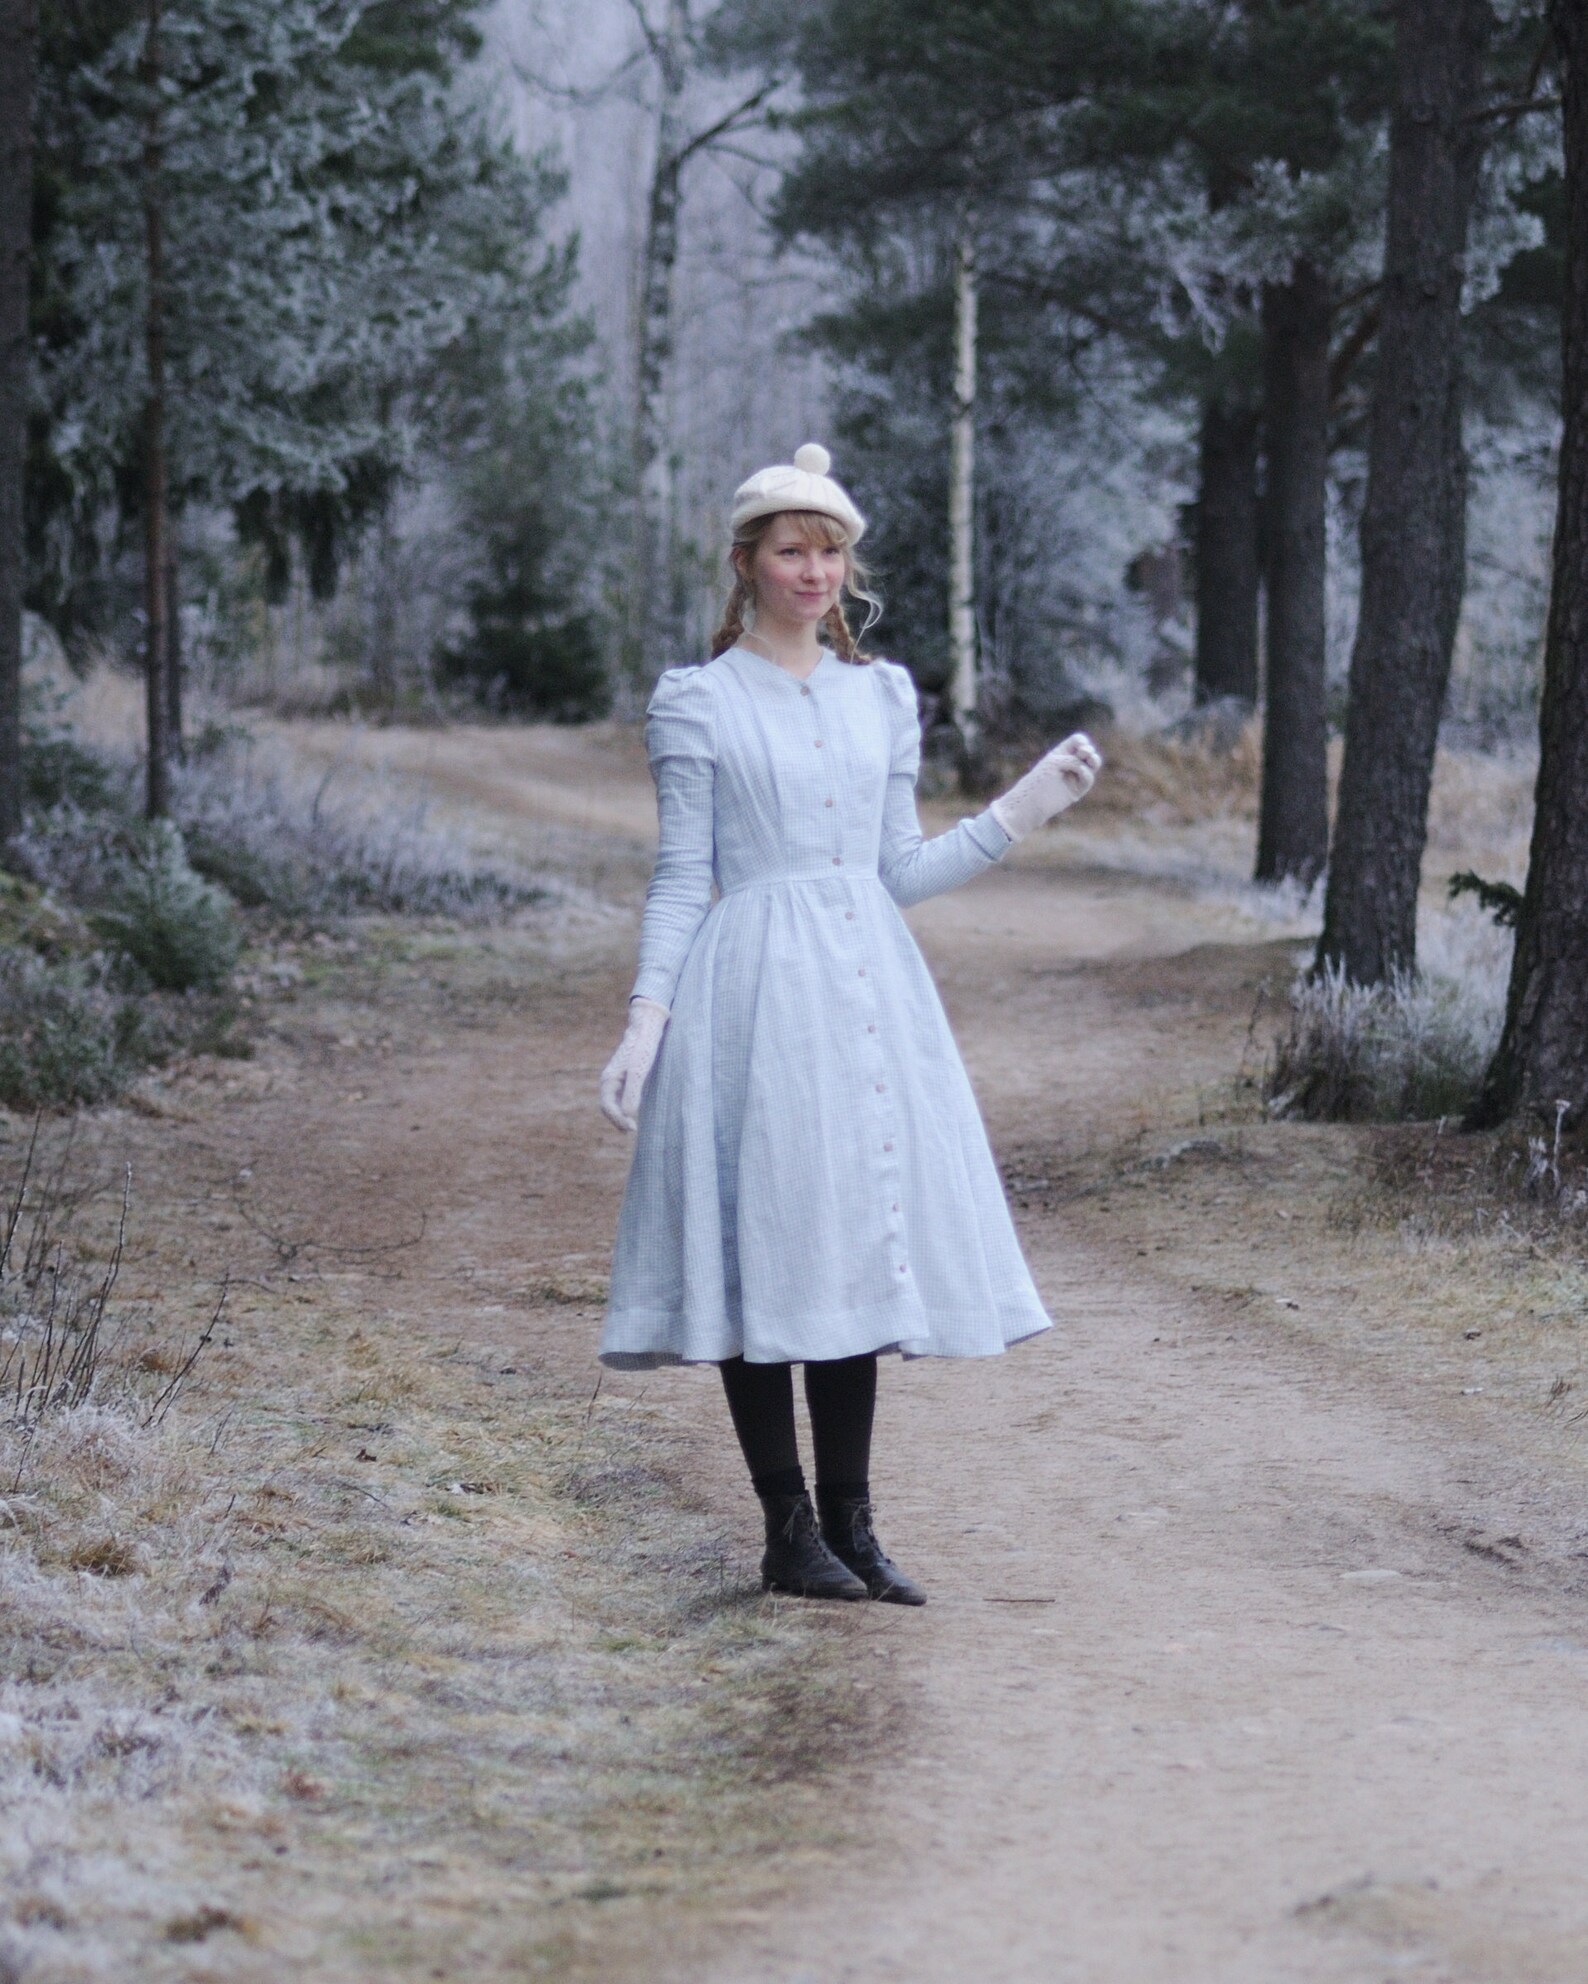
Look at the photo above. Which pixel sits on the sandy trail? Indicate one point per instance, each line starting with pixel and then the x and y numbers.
pixel 1215 1683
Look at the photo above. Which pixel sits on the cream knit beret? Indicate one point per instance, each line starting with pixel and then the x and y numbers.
pixel 804 485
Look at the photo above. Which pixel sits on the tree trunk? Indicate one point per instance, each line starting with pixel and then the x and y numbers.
pixel 18 47
pixel 655 632
pixel 1414 522
pixel 1293 820
pixel 1227 574
pixel 173 643
pixel 157 799
pixel 1543 1054
pixel 963 684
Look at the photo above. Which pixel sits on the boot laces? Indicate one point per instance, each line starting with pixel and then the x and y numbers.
pixel 801 1521
pixel 861 1527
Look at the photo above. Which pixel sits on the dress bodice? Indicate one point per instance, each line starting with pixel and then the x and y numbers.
pixel 764 780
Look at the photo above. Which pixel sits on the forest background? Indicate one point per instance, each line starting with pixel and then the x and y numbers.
pixel 1197 365
pixel 374 378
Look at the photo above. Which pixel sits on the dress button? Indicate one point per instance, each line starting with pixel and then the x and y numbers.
pixel 871 1029
pixel 827 802
pixel 818 743
pixel 887 1146
pixel 903 1269
pixel 895 1205
pixel 881 1087
pixel 862 972
pixel 849 916
pixel 838 861
pixel 804 691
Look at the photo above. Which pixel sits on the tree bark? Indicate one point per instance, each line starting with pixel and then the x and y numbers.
pixel 1414 521
pixel 1227 575
pixel 654 622
pixel 173 643
pixel 1543 1054
pixel 18 54
pixel 1293 818
pixel 963 685
pixel 157 799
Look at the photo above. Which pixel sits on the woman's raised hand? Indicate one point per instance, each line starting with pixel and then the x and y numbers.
pixel 1054 782
pixel 624 1076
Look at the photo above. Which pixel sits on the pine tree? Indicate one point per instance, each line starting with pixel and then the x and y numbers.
pixel 1414 524
pixel 333 217
pixel 1541 1066
pixel 18 43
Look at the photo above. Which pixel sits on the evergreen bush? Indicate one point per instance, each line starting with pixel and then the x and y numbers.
pixel 66 1036
pixel 180 930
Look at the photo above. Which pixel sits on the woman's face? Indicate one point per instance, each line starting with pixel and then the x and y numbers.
pixel 795 581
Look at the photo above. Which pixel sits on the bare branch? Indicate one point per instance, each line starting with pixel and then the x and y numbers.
pixel 729 121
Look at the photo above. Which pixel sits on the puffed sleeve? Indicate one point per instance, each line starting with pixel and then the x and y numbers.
pixel 680 741
pixel 913 868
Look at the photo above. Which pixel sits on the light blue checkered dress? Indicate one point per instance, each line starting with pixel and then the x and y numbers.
pixel 811 1177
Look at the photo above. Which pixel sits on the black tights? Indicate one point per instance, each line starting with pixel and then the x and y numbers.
pixel 842 1396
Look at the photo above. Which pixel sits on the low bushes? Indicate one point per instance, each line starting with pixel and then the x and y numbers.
pixel 279 842
pixel 179 930
pixel 118 937
pixel 1413 1048
pixel 66 1035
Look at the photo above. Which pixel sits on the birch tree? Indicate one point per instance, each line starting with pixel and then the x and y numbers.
pixel 963 680
pixel 676 44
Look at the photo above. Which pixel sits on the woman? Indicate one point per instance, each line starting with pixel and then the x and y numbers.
pixel 812 1183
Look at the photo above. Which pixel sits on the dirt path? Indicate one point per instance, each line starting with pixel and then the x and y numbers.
pixel 1257 1640
pixel 1230 1671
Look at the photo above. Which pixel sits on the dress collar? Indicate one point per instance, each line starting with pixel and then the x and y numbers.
pixel 798 681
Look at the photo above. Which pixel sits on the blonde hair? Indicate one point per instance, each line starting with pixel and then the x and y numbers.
pixel 819 528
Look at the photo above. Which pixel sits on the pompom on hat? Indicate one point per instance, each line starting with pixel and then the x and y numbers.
pixel 802 485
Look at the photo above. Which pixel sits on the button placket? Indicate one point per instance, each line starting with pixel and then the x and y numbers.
pixel 820 742
pixel 877 1098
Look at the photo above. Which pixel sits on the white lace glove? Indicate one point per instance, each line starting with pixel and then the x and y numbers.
pixel 623 1078
pixel 1054 782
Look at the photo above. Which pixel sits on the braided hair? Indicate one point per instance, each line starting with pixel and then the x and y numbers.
pixel 820 529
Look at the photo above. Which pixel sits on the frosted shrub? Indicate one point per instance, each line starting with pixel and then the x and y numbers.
pixel 65 1035
pixel 1413 1048
pixel 142 896
pixel 276 841
pixel 180 930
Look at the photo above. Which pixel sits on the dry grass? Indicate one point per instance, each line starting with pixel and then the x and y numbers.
pixel 1173 784
pixel 381 1652
pixel 362 1611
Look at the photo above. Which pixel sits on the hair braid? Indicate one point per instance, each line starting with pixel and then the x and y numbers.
pixel 731 626
pixel 841 634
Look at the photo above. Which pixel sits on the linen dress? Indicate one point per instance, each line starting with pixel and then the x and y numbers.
pixel 811 1178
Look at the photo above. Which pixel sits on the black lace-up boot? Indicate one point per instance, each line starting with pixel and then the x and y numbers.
pixel 847 1531
pixel 797 1560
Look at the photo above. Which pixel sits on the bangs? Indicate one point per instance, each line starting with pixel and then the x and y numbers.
pixel 816 527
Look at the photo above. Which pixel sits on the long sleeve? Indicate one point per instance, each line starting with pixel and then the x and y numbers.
pixel 912 867
pixel 681 744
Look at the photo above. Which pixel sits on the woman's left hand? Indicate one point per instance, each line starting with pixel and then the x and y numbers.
pixel 1053 783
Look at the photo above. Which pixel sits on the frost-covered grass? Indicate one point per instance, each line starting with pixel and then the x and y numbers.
pixel 371 1609
pixel 1410 1050
pixel 118 949
pixel 305 846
